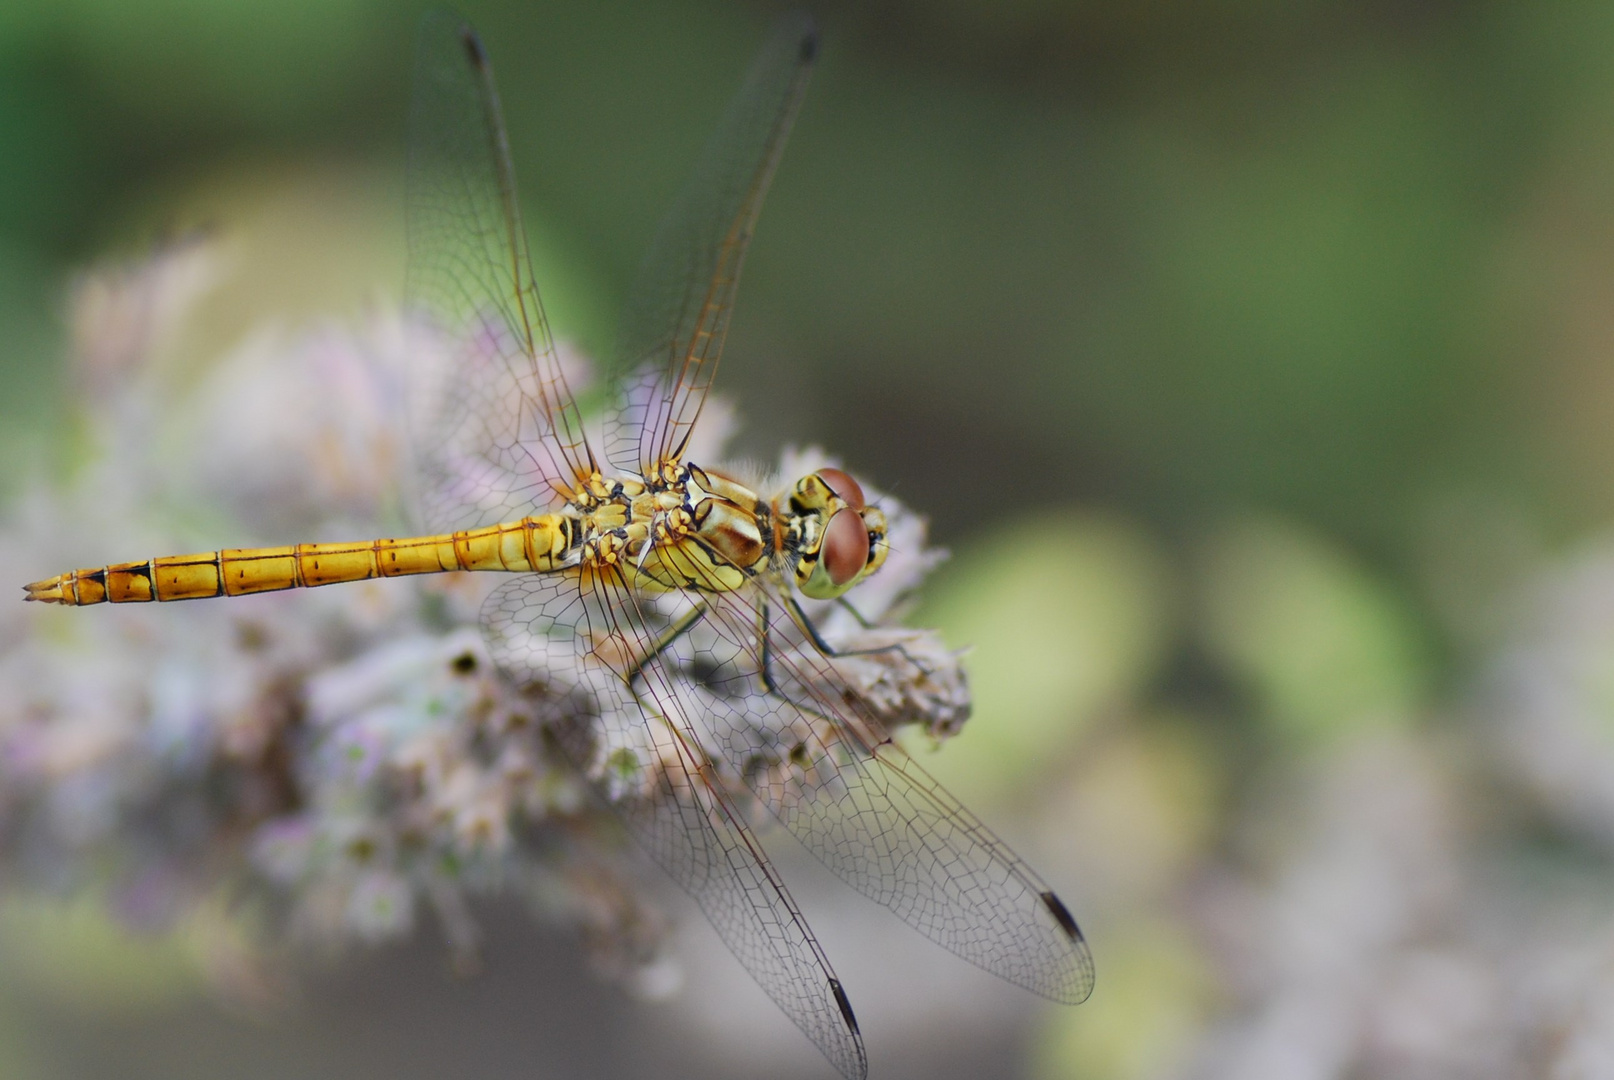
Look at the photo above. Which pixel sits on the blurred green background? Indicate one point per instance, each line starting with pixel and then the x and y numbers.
pixel 1252 357
pixel 1340 260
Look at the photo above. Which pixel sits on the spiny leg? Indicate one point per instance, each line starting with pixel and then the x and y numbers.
pixel 806 626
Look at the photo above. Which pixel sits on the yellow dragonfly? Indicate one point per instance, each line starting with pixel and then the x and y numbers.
pixel 653 601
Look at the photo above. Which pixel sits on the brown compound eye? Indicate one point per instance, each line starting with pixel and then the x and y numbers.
pixel 844 486
pixel 846 546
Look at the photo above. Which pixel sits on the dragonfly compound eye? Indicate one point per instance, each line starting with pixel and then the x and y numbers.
pixel 844 486
pixel 846 547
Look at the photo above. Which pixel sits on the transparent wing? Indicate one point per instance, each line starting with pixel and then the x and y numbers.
pixel 578 638
pixel 495 426
pixel 816 751
pixel 678 308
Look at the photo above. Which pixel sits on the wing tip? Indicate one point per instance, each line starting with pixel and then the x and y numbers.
pixel 1067 922
pixel 857 1067
pixel 471 41
pixel 801 26
pixel 1081 988
pixel 844 1003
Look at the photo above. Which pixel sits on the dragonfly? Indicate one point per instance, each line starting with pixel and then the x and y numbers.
pixel 661 600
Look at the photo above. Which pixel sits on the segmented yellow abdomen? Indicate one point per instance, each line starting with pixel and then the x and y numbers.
pixel 534 543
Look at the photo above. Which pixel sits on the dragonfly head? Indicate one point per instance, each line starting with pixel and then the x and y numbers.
pixel 841 539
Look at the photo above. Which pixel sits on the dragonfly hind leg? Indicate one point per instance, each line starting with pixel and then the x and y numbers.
pixel 681 626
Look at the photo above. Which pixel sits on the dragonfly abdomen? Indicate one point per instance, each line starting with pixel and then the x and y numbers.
pixel 540 543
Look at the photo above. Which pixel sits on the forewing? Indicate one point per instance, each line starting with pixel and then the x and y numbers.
pixel 828 769
pixel 495 427
pixel 575 638
pixel 678 308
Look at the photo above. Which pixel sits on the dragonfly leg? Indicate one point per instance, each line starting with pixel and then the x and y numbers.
pixel 856 614
pixel 865 742
pixel 683 625
pixel 765 652
pixel 800 618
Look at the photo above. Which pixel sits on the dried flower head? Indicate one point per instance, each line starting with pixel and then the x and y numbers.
pixel 342 758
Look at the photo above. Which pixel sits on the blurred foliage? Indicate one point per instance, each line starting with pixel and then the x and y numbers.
pixel 1146 1020
pixel 1325 648
pixel 1139 809
pixel 1167 256
pixel 1064 626
pixel 74 955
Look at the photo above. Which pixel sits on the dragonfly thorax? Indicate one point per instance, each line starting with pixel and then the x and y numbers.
pixel 681 527
pixel 684 527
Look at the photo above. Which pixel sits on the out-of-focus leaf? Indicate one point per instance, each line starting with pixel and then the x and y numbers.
pixel 1137 811
pixel 1153 994
pixel 1066 616
pixel 1324 644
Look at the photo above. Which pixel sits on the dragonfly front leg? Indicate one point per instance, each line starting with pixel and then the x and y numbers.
pixel 799 617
